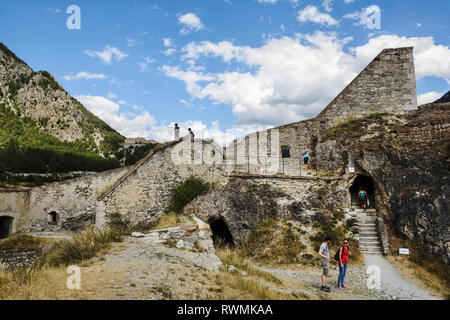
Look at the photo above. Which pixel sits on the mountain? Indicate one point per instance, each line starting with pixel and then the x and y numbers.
pixel 43 129
pixel 445 98
pixel 38 96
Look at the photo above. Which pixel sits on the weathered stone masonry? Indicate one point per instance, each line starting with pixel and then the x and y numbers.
pixel 386 85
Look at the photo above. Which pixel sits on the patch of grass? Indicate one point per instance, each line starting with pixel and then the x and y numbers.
pixel 275 243
pixel 353 129
pixel 420 256
pixel 82 247
pixel 185 192
pixel 25 242
pixel 246 288
pixel 170 220
pixel 234 257
pixel 170 243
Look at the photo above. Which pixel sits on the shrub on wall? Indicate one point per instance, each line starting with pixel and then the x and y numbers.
pixel 185 192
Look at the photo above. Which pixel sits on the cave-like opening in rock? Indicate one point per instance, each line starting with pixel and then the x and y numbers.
pixel 6 223
pixel 363 183
pixel 221 234
pixel 53 218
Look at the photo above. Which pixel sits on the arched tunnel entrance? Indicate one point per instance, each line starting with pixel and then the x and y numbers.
pixel 6 223
pixel 221 234
pixel 363 183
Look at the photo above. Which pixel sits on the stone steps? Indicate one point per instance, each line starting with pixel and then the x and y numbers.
pixel 369 239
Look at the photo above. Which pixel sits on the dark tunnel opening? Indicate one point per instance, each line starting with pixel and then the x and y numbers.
pixel 363 183
pixel 221 234
pixel 5 226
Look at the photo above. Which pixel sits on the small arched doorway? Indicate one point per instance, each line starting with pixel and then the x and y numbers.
pixel 6 223
pixel 221 234
pixel 53 218
pixel 366 183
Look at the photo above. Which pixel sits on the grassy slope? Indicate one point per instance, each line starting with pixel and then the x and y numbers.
pixel 24 147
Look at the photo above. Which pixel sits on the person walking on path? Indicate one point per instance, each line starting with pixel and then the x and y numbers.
pixel 324 253
pixel 176 131
pixel 306 157
pixel 343 254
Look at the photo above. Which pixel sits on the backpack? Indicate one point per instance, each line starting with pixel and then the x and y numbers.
pixel 336 256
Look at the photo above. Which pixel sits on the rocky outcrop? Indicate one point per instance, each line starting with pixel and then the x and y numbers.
pixel 409 173
pixel 244 203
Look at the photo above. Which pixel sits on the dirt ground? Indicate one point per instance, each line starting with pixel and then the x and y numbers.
pixel 138 270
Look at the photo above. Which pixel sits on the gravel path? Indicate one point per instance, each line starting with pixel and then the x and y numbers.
pixel 393 284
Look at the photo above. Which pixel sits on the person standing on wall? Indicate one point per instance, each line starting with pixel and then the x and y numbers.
pixel 191 134
pixel 176 131
pixel 306 157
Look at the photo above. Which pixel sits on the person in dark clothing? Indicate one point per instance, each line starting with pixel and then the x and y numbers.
pixel 191 133
pixel 176 131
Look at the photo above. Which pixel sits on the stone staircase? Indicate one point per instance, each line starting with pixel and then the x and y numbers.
pixel 369 238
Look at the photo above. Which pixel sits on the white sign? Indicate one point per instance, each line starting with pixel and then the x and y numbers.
pixel 351 170
pixel 403 251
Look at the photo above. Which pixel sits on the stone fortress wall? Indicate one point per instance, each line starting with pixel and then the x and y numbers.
pixel 386 85
pixel 140 193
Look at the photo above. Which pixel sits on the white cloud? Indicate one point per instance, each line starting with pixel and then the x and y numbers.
pixel 111 95
pixel 54 10
pixel 429 97
pixel 108 54
pixel 190 23
pixel 145 125
pixel 144 64
pixel 275 1
pixel 369 17
pixel 168 42
pixel 312 14
pixel 348 1
pixel 84 75
pixel 327 5
pixel 289 79
pixel 430 59
pixel 109 111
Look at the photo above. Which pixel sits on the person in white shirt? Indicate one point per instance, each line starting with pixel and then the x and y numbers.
pixel 176 131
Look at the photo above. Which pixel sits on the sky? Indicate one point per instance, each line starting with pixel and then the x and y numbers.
pixel 222 67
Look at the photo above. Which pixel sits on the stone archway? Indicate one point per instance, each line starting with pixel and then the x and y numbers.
pixel 222 236
pixel 6 223
pixel 363 182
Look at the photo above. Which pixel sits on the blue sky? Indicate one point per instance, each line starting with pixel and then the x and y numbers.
pixel 225 68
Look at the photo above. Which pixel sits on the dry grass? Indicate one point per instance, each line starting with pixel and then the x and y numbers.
pixel 33 284
pixel 25 242
pixel 429 270
pixel 234 257
pixel 245 288
pixel 421 276
pixel 81 247
pixel 277 242
pixel 170 220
